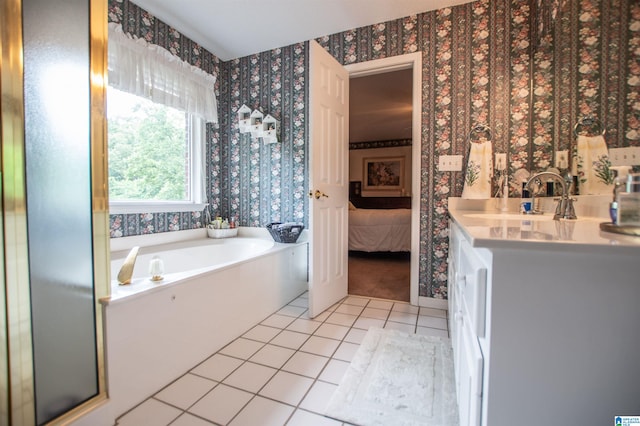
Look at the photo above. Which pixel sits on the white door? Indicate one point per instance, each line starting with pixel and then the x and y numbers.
pixel 329 176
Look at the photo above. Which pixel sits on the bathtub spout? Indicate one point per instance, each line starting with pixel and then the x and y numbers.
pixel 126 272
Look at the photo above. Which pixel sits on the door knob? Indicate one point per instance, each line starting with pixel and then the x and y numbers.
pixel 317 194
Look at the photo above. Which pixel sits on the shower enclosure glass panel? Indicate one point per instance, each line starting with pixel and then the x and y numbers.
pixel 59 211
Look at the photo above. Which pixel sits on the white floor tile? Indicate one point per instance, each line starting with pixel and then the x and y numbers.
pixel 405 307
pixel 375 313
pixel 287 387
pixel 432 322
pixel 333 307
pixel 242 348
pixel 221 404
pixel 290 339
pixel 403 317
pixel 305 418
pixel 150 412
pixel 355 300
pixel 302 325
pixel 441 313
pixel 380 304
pixel 332 331
pixel 305 364
pixel 346 351
pixel 272 356
pixel 217 367
pixel 355 335
pixel 187 419
pixel 263 412
pixel 277 320
pixel 250 377
pixel 262 333
pixel 334 371
pixel 292 311
pixel 285 353
pixel 320 346
pixel 365 323
pixel 318 397
pixel 349 309
pixel 341 319
pixel 428 331
pixel 320 318
pixel 407 328
pixel 302 302
pixel 185 391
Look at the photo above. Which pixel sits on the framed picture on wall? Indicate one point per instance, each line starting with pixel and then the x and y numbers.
pixel 383 174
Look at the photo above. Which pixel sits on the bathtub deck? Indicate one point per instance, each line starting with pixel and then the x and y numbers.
pixel 284 369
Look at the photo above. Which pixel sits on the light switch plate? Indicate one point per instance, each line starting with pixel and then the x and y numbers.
pixel 450 163
pixel 629 156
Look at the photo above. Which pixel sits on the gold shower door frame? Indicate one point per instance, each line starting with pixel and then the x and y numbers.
pixel 17 405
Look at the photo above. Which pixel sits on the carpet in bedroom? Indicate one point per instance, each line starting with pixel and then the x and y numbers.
pixel 380 275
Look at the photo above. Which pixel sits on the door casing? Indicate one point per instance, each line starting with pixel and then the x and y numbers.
pixel 395 63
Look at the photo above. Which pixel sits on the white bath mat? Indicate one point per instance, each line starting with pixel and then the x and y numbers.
pixel 397 378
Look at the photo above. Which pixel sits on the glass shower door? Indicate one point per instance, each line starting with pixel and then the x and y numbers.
pixel 57 105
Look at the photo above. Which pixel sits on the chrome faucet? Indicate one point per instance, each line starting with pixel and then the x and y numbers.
pixel 564 209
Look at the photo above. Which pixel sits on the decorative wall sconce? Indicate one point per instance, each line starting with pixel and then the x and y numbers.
pixel 244 116
pixel 256 123
pixel 269 129
pixel 259 125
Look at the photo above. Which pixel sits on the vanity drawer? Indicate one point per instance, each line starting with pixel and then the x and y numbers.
pixel 471 281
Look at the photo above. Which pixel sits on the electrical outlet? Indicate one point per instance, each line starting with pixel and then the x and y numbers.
pixel 501 161
pixel 629 156
pixel 450 163
pixel 562 159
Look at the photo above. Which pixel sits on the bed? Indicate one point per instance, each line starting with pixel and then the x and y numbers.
pixel 377 230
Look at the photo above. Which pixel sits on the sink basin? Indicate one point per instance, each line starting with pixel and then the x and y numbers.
pixel 529 217
pixel 509 216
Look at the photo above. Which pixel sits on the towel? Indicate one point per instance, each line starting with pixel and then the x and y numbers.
pixel 593 165
pixel 477 180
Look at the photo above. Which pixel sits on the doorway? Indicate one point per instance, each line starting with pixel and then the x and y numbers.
pixel 385 73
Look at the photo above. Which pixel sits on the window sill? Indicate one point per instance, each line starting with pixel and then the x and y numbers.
pixel 124 207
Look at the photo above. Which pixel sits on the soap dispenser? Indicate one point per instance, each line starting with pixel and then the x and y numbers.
pixel 619 185
pixel 525 200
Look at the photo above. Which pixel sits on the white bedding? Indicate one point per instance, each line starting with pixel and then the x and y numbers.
pixel 380 230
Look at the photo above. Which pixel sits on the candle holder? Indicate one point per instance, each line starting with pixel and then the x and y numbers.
pixel 156 269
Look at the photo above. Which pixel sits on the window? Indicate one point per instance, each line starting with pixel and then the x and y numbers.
pixel 155 156
pixel 157 109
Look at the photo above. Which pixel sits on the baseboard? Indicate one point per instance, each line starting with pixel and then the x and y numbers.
pixel 430 302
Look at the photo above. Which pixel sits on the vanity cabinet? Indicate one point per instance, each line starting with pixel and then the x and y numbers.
pixel 542 333
pixel 467 284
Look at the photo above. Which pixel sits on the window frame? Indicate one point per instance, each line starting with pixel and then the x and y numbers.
pixel 197 182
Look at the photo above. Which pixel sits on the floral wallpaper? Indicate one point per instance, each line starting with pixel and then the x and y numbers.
pixel 482 63
pixel 142 24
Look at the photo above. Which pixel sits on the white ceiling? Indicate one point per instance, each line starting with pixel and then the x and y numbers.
pixel 232 29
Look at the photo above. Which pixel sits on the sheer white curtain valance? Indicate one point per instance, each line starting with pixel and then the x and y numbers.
pixel 148 70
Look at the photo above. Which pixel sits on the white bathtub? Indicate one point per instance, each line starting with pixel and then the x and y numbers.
pixel 184 260
pixel 213 291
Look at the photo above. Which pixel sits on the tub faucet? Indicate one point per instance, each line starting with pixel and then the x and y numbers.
pixel 564 209
pixel 126 271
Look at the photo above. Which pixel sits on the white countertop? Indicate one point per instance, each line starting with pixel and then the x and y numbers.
pixel 485 226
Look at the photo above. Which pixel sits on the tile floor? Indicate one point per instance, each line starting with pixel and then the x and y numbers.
pixel 282 371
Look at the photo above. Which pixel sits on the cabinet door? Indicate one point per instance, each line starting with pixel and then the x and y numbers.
pixel 469 377
pixel 472 282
